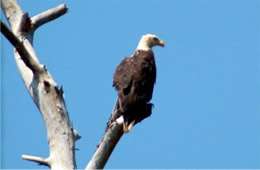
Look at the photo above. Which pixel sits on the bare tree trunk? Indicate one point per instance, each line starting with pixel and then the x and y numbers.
pixel 45 92
pixel 49 97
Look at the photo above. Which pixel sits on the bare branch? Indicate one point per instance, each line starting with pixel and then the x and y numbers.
pixel 19 46
pixel 41 161
pixel 48 16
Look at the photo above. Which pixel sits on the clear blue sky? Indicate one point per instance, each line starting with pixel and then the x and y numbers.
pixel 206 97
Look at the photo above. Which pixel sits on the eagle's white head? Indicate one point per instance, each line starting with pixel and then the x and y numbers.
pixel 148 41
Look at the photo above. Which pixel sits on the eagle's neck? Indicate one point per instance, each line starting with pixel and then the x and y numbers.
pixel 143 45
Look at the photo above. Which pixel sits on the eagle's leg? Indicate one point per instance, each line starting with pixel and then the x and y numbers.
pixel 120 105
pixel 127 127
pixel 136 116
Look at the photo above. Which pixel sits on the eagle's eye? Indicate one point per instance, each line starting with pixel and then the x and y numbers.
pixel 155 39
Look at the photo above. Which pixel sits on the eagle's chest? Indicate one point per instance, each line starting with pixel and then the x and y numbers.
pixel 142 63
pixel 143 72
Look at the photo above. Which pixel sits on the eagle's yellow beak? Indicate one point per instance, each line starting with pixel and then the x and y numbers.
pixel 161 43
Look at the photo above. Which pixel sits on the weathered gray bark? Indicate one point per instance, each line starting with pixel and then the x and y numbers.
pixel 45 92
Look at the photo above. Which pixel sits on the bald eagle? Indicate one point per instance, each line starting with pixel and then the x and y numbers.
pixel 134 80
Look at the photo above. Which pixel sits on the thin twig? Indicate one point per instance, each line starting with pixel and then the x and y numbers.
pixel 40 160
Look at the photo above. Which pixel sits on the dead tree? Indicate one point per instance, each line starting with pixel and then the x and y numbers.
pixel 48 96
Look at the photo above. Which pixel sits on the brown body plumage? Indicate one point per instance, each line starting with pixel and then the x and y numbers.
pixel 134 80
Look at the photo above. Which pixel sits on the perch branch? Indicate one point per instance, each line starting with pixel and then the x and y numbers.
pixel 113 133
pixel 39 160
pixel 48 16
